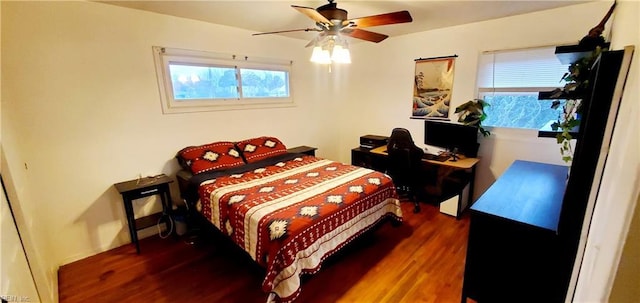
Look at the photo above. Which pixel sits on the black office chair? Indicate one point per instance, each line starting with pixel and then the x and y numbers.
pixel 404 164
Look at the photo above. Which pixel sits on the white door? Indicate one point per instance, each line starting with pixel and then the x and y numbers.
pixel 16 281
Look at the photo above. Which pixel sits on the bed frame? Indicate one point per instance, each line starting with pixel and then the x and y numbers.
pixel 191 200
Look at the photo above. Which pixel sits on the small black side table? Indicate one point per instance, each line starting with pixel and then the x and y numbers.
pixel 140 188
pixel 311 151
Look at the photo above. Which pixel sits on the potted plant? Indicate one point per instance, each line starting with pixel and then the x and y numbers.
pixel 472 113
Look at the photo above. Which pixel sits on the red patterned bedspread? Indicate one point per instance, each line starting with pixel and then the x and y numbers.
pixel 290 216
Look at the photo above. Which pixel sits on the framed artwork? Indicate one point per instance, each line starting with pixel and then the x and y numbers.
pixel 432 88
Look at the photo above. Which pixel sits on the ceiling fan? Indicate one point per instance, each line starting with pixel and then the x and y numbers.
pixel 332 23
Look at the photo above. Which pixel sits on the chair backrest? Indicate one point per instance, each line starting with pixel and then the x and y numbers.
pixel 404 160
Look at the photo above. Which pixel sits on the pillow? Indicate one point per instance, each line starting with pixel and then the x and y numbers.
pixel 261 148
pixel 213 156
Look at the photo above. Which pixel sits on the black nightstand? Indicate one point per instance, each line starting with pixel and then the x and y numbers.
pixel 140 188
pixel 311 151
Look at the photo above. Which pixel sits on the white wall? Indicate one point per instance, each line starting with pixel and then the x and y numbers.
pixel 626 287
pixel 15 275
pixel 81 110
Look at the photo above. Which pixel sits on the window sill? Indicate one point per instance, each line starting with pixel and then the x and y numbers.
pixel 191 108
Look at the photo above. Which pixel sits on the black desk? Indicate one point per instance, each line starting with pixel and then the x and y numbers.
pixel 140 188
pixel 513 251
pixel 376 159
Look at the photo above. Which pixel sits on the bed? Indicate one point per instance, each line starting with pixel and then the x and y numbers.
pixel 288 211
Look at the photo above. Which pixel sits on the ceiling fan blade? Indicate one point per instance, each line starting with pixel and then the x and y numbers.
pixel 289 31
pixel 383 19
pixel 313 14
pixel 364 35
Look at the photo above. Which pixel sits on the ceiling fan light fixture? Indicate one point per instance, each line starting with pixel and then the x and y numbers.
pixel 332 49
pixel 340 54
pixel 320 55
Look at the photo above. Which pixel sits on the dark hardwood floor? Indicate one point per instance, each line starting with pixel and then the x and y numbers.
pixel 421 260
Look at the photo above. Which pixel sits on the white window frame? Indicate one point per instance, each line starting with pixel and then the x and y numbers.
pixel 163 56
pixel 485 81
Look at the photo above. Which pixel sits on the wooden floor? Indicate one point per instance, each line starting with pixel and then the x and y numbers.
pixel 421 260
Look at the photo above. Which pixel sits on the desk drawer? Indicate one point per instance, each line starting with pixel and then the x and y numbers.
pixel 147 191
pixel 366 159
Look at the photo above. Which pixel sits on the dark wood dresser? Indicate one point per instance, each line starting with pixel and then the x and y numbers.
pixel 514 250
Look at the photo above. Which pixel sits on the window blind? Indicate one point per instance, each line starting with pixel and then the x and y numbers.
pixel 520 69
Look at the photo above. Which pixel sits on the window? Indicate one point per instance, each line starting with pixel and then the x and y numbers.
pixel 193 81
pixel 510 82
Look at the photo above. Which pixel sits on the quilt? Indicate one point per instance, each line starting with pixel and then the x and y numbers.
pixel 292 213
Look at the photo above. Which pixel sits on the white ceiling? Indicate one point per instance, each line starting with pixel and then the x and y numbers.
pixel 266 16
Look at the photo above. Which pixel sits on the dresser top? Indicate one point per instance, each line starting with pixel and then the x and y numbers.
pixel 527 192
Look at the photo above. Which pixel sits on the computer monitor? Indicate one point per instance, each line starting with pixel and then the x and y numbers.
pixel 452 136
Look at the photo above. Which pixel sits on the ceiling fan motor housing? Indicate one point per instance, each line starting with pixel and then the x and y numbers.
pixel 332 12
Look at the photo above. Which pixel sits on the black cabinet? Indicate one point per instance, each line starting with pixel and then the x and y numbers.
pixel 523 242
pixel 513 250
pixel 364 158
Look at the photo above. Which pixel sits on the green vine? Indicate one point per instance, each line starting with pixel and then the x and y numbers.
pixel 566 123
pixel 576 86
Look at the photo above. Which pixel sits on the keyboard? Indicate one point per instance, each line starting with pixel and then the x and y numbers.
pixel 439 158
